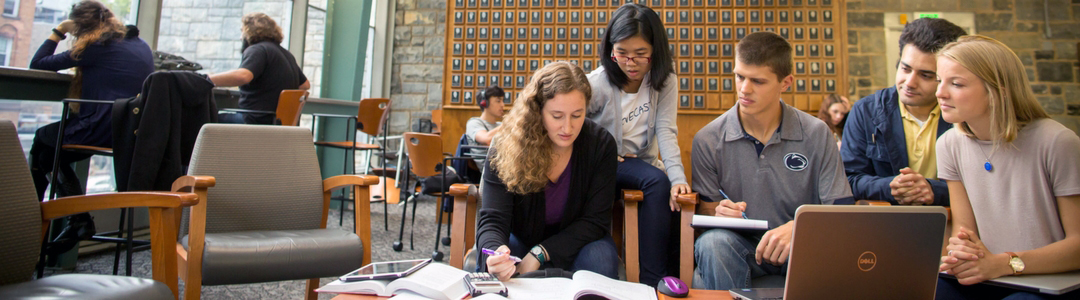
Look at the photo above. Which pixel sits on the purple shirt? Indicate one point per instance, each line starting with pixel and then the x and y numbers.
pixel 556 194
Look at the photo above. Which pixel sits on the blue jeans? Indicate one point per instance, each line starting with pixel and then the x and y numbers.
pixel 599 256
pixel 725 261
pixel 231 118
pixel 951 289
pixel 655 247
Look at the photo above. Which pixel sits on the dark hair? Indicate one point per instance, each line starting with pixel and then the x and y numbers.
pixel 929 34
pixel 491 91
pixel 767 49
pixel 93 23
pixel 632 20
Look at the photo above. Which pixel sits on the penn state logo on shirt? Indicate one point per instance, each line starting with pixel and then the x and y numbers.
pixel 795 161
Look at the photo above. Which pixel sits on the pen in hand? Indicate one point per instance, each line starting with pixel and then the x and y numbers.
pixel 732 200
pixel 493 252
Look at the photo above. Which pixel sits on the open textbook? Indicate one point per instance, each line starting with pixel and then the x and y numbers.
pixel 584 283
pixel 434 281
pixel 728 223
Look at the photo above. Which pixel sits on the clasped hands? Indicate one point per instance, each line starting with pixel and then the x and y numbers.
pixel 969 260
pixel 911 188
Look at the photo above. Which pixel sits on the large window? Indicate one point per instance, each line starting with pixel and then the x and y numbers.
pixel 209 32
pixel 369 53
pixel 5 50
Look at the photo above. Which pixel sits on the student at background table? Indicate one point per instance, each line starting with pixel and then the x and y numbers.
pixel 110 62
pixel 265 70
pixel 549 182
pixel 635 98
pixel 1012 174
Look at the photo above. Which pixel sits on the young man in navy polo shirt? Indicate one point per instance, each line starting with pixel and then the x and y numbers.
pixel 770 158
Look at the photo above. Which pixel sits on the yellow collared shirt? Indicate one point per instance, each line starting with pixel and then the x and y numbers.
pixel 921 141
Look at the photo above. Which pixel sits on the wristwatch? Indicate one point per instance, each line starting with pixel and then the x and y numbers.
pixel 538 252
pixel 1016 263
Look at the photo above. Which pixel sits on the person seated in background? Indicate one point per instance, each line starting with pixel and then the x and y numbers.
pixel 635 97
pixel 265 70
pixel 888 140
pixel 480 130
pixel 549 182
pixel 1012 173
pixel 770 158
pixel 110 62
pixel 833 111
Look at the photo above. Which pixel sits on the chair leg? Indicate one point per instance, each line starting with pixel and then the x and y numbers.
pixel 405 190
pixel 344 191
pixel 120 234
pixel 130 238
pixel 412 226
pixel 309 292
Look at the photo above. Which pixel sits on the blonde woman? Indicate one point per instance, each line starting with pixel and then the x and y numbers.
pixel 266 68
pixel 1012 174
pixel 549 182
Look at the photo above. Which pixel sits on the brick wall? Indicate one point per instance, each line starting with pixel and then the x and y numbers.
pixel 1051 62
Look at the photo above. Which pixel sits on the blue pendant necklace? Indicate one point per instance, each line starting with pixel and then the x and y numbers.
pixel 987 165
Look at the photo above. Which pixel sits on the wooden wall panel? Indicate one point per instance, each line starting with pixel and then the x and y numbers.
pixel 504 41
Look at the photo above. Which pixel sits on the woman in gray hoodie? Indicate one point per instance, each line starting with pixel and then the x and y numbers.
pixel 634 98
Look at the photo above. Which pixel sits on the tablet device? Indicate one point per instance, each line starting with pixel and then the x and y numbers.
pixel 386 270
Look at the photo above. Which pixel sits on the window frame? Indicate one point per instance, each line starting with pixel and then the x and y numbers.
pixel 15 11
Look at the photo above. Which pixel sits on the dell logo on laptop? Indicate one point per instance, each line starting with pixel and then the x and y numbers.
pixel 867 261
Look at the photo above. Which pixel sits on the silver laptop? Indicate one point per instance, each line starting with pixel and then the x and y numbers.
pixel 861 252
pixel 1052 284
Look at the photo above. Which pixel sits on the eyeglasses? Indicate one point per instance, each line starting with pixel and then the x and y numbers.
pixel 637 59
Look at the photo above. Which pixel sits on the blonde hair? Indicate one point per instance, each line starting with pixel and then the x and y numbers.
pixel 1012 103
pixel 258 27
pixel 523 150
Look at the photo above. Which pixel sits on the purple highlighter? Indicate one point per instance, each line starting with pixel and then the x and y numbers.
pixel 492 252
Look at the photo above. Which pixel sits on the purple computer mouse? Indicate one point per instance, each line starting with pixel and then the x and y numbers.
pixel 673 287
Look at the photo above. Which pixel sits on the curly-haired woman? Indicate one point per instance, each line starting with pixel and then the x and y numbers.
pixel 549 182
pixel 110 63
pixel 265 69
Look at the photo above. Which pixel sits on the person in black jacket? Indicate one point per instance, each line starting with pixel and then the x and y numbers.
pixel 549 182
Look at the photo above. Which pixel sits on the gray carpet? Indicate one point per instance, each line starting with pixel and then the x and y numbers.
pixel 424 237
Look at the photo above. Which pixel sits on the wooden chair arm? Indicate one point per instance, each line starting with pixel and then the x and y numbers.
pixel 191 183
pixel 633 195
pixel 463 222
pixel 462 189
pixel 344 180
pixel 688 205
pixel 687 199
pixel 67 206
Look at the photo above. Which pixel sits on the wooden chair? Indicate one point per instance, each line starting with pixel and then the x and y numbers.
pixel 24 222
pixel 436 121
pixel 426 160
pixel 371 119
pixel 126 222
pixel 264 220
pixel 623 229
pixel 289 107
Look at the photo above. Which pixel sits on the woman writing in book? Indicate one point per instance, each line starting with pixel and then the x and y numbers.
pixel 1011 171
pixel 549 182
pixel 635 98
